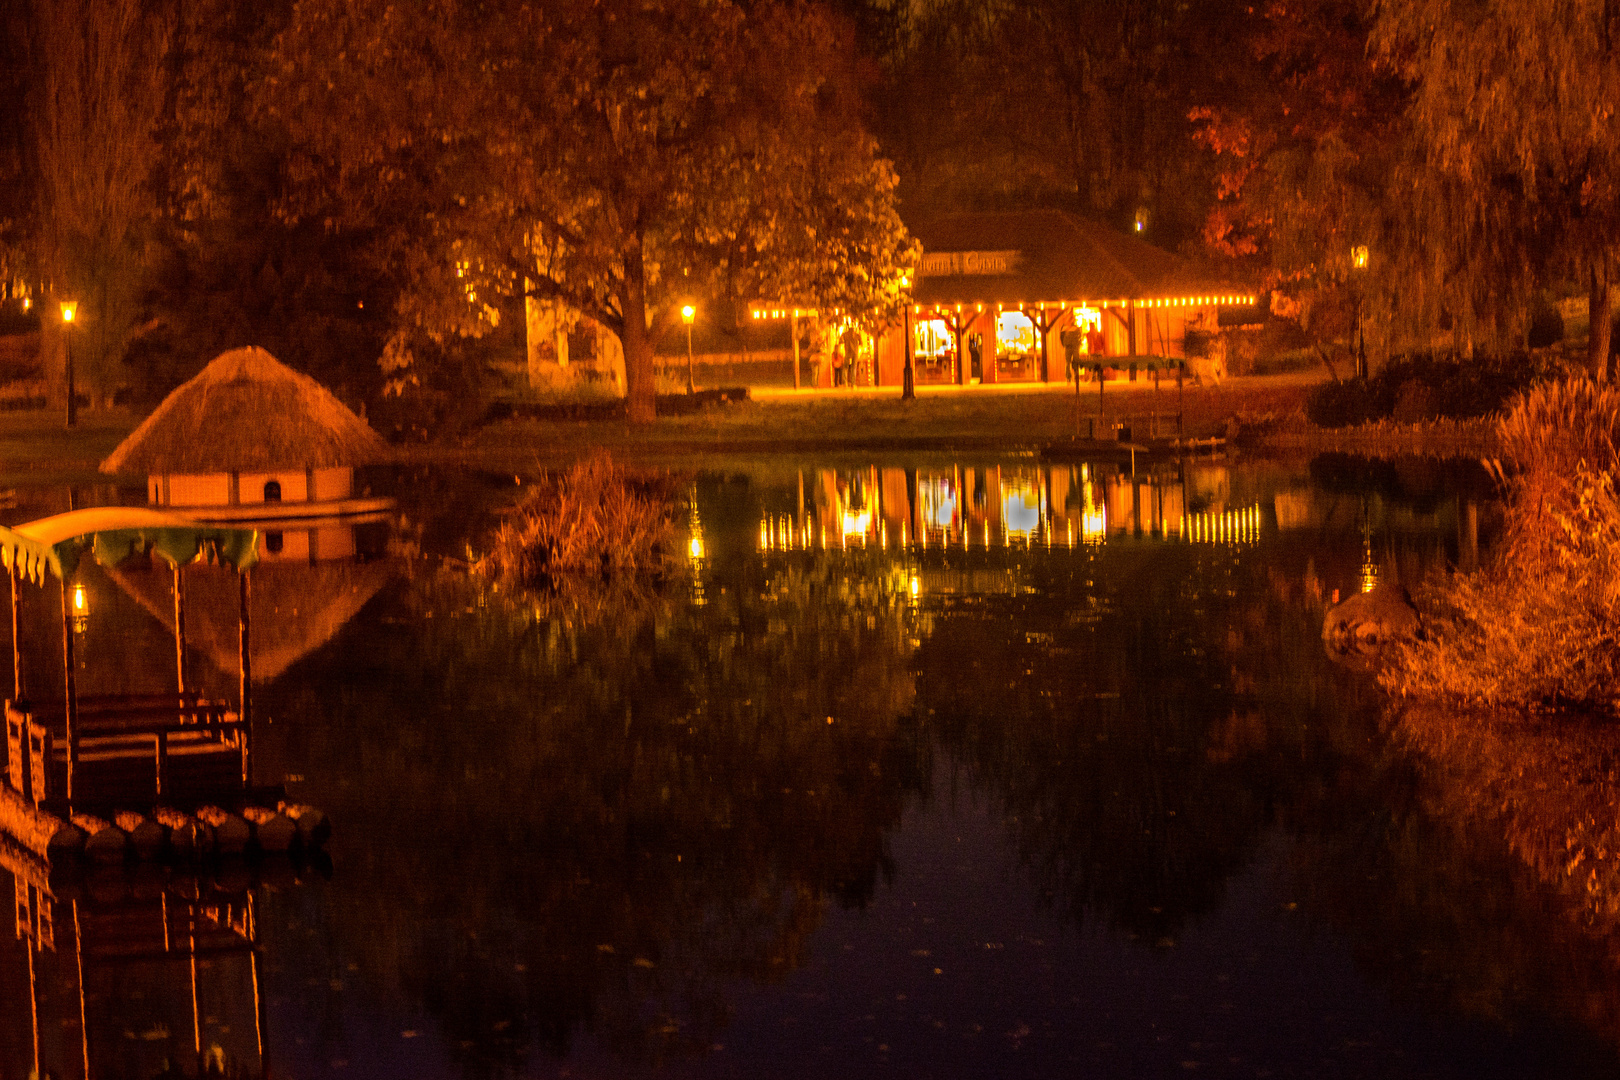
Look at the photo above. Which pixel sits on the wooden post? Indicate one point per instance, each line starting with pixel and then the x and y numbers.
pixel 1130 326
pixel 258 996
pixel 180 629
pixel 78 953
pixel 161 764
pixel 33 982
pixel 793 325
pixel 70 678
pixel 245 707
pixel 16 626
pixel 1180 398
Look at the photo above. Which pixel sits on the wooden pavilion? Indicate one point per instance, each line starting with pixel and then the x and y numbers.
pixel 120 773
pixel 1005 297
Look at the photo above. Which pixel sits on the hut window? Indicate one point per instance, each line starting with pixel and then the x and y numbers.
pixel 272 493
pixel 273 540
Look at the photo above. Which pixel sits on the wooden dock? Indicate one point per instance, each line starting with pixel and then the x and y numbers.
pixel 118 778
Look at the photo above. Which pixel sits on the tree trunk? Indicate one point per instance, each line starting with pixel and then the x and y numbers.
pixel 1600 316
pixel 640 389
pixel 53 355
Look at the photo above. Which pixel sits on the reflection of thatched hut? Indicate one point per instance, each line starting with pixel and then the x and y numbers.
pixel 297 607
pixel 247 439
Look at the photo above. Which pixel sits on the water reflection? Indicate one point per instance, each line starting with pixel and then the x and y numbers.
pixel 1006 505
pixel 137 975
pixel 669 831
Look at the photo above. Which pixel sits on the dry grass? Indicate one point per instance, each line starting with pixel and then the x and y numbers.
pixel 592 524
pixel 1538 626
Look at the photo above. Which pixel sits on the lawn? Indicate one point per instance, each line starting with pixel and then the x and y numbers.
pixel 979 419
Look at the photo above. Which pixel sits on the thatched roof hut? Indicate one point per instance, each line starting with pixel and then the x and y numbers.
pixel 247 412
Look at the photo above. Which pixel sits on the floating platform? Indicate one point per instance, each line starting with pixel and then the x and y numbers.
pixel 122 778
pixel 1083 449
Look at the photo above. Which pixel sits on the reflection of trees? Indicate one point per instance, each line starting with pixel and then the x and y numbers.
pixel 1103 708
pixel 1489 869
pixel 1227 722
pixel 589 821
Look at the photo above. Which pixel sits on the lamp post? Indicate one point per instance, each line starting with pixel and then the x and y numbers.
pixel 688 313
pixel 908 390
pixel 1359 257
pixel 70 308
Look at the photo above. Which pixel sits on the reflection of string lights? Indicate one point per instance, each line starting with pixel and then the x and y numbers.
pixel 1229 527
pixel 1020 515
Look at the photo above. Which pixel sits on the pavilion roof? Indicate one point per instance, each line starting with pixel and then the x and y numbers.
pixel 1031 256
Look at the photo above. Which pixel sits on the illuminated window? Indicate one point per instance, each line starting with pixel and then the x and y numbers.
pixel 933 339
pixel 1015 334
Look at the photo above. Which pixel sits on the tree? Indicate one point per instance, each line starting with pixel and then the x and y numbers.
pixel 99 85
pixel 1073 103
pixel 1519 175
pixel 614 158
pixel 1307 146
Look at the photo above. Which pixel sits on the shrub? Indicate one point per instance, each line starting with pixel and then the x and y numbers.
pixel 595 522
pixel 1426 386
pixel 1538 625
pixel 1342 404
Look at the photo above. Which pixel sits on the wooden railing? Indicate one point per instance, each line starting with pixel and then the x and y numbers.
pixel 110 727
pixel 1151 425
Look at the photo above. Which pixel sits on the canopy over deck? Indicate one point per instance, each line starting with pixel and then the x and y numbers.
pixel 114 534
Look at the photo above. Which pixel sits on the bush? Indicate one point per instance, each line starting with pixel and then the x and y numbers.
pixel 1426 386
pixel 1538 625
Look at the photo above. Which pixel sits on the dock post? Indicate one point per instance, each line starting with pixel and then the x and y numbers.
pixel 16 642
pixel 245 671
pixel 70 678
pixel 180 630
pixel 1181 398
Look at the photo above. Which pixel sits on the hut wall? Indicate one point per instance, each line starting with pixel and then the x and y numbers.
pixel 332 484
pixel 203 489
pixel 307 545
pixel 289 545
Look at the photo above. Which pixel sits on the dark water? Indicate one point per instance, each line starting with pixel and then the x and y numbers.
pixel 930 768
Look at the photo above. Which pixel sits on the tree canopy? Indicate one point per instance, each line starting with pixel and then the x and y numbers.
pixel 1519 174
pixel 615 158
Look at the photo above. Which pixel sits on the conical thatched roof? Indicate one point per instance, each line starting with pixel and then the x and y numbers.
pixel 247 412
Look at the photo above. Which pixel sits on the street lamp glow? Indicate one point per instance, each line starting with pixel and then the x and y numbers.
pixel 688 313
pixel 70 308
pixel 1359 256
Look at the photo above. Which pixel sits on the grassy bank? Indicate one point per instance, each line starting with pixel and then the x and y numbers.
pixel 37 447
pixel 1000 420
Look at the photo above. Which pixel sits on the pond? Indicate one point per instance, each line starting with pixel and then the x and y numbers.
pixel 924 767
